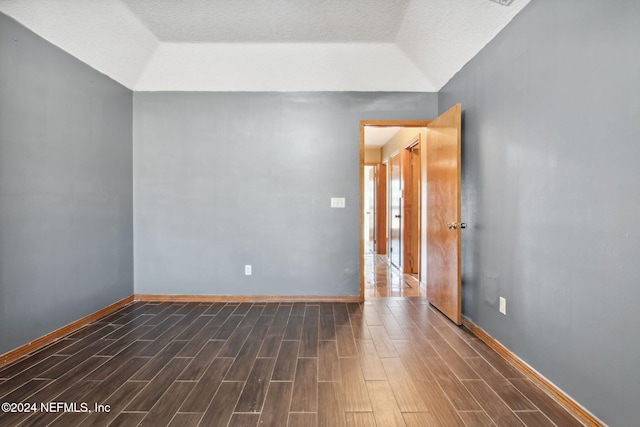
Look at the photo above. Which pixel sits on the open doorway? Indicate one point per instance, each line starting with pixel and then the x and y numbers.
pixel 391 200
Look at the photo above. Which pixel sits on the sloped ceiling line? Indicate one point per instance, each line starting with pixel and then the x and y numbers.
pixel 269 45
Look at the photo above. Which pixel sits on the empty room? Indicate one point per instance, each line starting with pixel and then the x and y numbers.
pixel 319 213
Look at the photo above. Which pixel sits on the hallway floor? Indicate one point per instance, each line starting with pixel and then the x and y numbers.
pixel 383 280
pixel 388 362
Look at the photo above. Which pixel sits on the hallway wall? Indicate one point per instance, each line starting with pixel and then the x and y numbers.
pixel 228 179
pixel 551 193
pixel 399 141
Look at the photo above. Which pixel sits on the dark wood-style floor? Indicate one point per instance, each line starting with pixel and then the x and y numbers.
pixel 387 362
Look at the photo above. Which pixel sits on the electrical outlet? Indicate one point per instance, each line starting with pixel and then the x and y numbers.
pixel 503 306
pixel 247 270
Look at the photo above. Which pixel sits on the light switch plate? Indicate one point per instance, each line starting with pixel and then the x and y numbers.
pixel 337 202
pixel 503 306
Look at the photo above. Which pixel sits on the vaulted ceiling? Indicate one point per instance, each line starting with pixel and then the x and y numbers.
pixel 269 45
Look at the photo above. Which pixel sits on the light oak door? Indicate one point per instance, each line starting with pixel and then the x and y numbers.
pixel 381 209
pixel 370 209
pixel 395 209
pixel 443 214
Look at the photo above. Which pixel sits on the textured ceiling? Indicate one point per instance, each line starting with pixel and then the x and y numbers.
pixel 271 21
pixel 269 45
pixel 377 136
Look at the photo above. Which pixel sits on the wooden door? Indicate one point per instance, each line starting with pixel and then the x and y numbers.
pixel 411 209
pixel 370 209
pixel 395 209
pixel 443 214
pixel 381 209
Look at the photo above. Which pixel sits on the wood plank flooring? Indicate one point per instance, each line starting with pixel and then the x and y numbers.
pixel 387 362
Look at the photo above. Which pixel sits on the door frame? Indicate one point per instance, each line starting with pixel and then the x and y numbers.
pixel 379 123
pixel 411 249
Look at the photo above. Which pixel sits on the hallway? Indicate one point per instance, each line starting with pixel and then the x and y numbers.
pixel 384 280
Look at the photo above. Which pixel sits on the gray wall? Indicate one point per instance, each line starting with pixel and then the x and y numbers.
pixel 551 190
pixel 227 179
pixel 65 188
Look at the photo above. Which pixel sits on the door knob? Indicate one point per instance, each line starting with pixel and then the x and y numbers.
pixel 455 225
pixel 397 216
